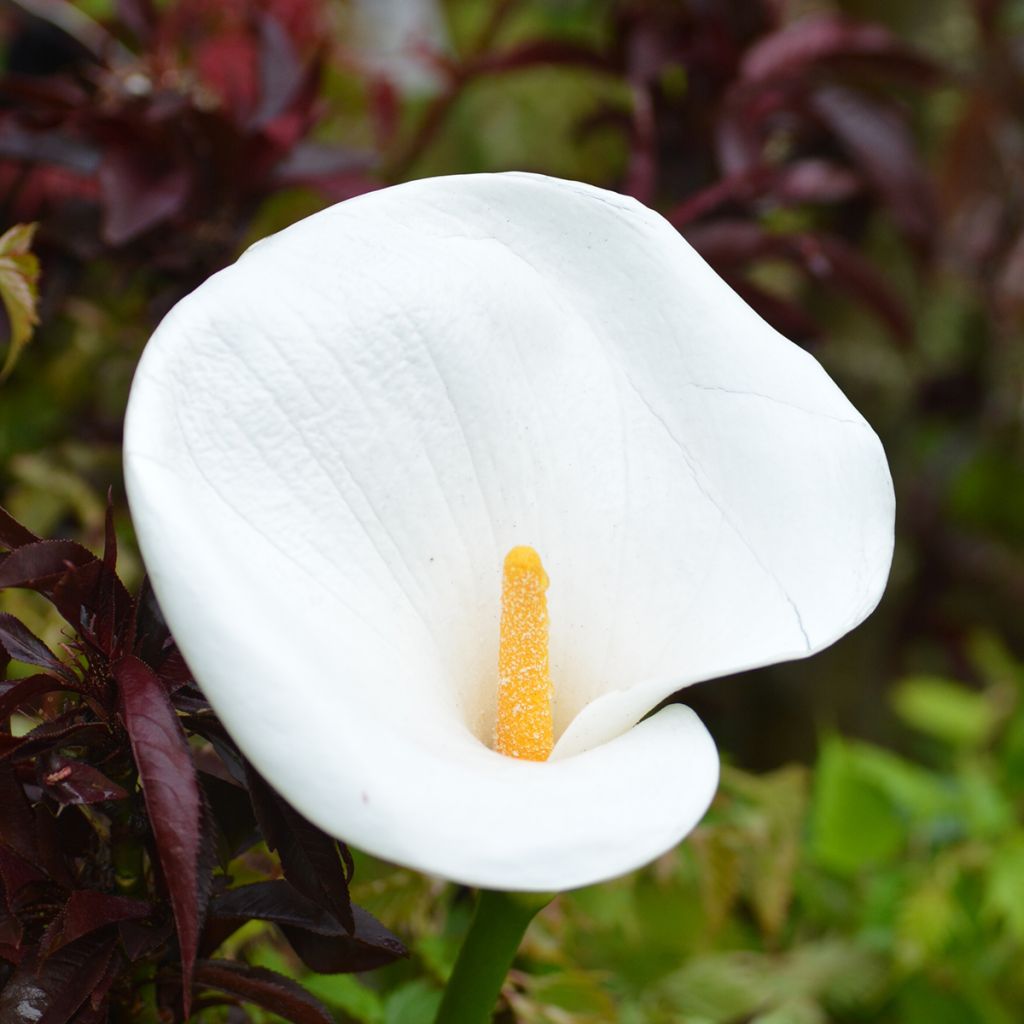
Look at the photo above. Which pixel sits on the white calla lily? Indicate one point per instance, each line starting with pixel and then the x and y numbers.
pixel 332 444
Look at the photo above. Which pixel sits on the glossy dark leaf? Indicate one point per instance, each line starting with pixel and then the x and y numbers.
pixel 12 533
pixel 23 645
pixel 271 991
pixel 311 859
pixel 52 992
pixel 171 792
pixel 877 138
pixel 75 782
pixel 87 911
pixel 314 933
pixel 826 39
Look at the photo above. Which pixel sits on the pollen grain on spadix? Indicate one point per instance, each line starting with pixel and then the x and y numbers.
pixel 524 727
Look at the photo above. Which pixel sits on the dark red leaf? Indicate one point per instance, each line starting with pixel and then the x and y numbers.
pixel 140 190
pixel 86 911
pixel 313 163
pixel 731 244
pixel 74 782
pixel 642 169
pixel 10 930
pixel 27 689
pixel 38 565
pixel 537 52
pixel 11 954
pixel 826 39
pixel 281 73
pixel 12 533
pixel 209 728
pixel 17 874
pixel 23 645
pixel 877 138
pixel 52 991
pixel 315 934
pixel 171 792
pixel 371 947
pixel 232 812
pixel 803 181
pixel 96 1012
pixel 814 181
pixel 67 730
pixel 150 635
pixel 272 991
pixel 17 823
pixel 832 260
pixel 311 859
pixel 227 62
pixel 96 603
pixel 139 17
pixel 142 940
pixel 785 316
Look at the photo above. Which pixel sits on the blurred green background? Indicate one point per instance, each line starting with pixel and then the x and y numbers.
pixel 856 171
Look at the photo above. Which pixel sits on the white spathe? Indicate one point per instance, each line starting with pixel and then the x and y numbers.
pixel 331 446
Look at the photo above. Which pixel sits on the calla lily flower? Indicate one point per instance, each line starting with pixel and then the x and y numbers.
pixel 332 444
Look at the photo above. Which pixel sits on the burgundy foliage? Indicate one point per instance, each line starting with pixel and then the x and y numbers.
pixel 156 137
pixel 776 117
pixel 762 138
pixel 124 804
pixel 982 169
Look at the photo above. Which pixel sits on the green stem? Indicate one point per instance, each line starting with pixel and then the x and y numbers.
pixel 497 928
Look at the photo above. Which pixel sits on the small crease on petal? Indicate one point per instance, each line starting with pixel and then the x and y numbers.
pixel 692 466
pixel 777 401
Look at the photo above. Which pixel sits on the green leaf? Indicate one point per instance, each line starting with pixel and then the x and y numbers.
pixel 580 993
pixel 19 280
pixel 721 988
pixel 799 1011
pixel 412 1003
pixel 927 921
pixel 342 992
pixel 855 823
pixel 1004 890
pixel 945 710
pixel 716 849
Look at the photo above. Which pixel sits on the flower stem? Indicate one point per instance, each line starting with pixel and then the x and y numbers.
pixel 497 928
